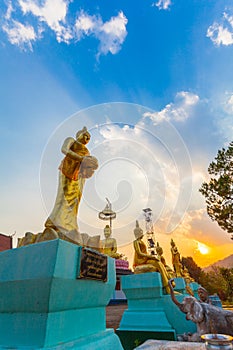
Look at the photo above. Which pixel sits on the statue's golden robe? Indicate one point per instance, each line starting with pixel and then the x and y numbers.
pixel 70 167
pixel 71 181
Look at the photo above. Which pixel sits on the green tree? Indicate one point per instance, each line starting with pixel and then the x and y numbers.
pixel 218 280
pixel 228 277
pixel 214 282
pixel 219 190
pixel 194 270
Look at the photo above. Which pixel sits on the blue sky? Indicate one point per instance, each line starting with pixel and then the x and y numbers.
pixel 65 64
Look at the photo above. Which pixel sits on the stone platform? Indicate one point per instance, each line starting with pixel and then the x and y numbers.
pixel 49 299
pixel 170 345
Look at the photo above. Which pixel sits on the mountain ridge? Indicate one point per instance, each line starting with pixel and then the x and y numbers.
pixel 226 262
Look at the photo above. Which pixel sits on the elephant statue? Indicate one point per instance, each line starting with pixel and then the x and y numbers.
pixel 208 318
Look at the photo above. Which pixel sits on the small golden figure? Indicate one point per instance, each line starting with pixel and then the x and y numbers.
pixel 159 251
pixel 176 259
pixel 143 262
pixel 186 275
pixel 109 244
pixel 29 238
pixel 188 279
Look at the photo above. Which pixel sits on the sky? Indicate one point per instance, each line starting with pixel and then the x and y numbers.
pixel 152 81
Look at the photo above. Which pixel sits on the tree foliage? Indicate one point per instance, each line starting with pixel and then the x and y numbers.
pixel 215 283
pixel 219 280
pixel 218 191
pixel 228 277
pixel 194 270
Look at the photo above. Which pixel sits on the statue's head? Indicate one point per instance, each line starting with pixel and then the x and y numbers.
pixel 203 294
pixel 172 243
pixel 83 136
pixel 159 249
pixel 138 232
pixel 107 231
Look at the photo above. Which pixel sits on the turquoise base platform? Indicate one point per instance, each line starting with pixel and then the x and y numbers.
pixel 102 340
pixel 151 314
pixel 44 305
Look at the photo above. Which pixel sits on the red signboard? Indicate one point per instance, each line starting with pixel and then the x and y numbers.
pixel 5 242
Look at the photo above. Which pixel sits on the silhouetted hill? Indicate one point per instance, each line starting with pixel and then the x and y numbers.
pixel 227 262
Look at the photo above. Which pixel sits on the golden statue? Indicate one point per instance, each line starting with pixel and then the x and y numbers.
pixel 159 251
pixel 109 244
pixel 176 259
pixel 143 262
pixel 188 279
pixel 29 238
pixel 75 168
pixel 186 275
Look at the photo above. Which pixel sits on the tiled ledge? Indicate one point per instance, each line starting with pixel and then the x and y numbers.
pixel 170 345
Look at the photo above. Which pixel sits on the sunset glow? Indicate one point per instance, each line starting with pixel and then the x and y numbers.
pixel 202 248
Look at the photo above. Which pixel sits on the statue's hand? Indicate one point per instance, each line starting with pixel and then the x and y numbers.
pixel 156 258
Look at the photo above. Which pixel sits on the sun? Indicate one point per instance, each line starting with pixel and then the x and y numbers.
pixel 203 249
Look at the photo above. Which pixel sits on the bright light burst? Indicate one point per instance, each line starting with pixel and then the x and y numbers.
pixel 202 248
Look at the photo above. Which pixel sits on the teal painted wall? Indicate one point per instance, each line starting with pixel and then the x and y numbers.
pixel 43 303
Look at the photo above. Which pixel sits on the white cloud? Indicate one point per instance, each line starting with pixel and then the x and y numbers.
pixel 222 33
pixel 179 111
pixel 20 34
pixel 86 24
pixel 9 11
pixel 53 14
pixel 162 4
pixel 162 155
pixel 135 159
pixel 111 34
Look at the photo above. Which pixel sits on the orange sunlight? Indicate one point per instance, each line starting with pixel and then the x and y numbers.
pixel 203 248
pixel 203 254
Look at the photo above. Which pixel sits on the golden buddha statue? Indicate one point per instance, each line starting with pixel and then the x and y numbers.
pixel 176 259
pixel 109 244
pixel 188 279
pixel 144 262
pixel 159 251
pixel 186 275
pixel 75 168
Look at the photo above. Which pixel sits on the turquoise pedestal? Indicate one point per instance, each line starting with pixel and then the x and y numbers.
pixel 180 285
pixel 195 286
pixel 44 305
pixel 151 314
